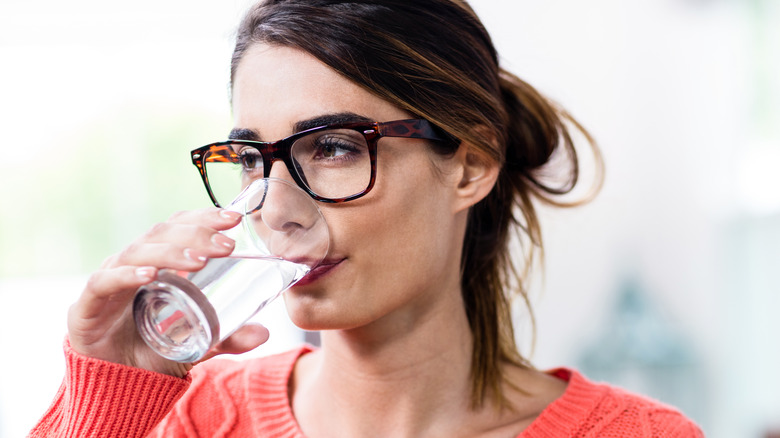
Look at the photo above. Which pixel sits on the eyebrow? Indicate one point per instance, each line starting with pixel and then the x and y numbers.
pixel 243 134
pixel 303 125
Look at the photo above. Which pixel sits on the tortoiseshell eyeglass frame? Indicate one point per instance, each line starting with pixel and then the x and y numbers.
pixel 280 150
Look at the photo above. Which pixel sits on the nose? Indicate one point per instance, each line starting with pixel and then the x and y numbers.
pixel 288 220
pixel 286 207
pixel 279 170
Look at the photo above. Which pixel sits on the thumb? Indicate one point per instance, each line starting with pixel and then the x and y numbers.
pixel 246 338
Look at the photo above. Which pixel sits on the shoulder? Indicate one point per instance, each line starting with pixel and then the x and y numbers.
pixel 600 409
pixel 621 412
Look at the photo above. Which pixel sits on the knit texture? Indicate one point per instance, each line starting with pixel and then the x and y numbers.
pixel 102 399
pixel 240 399
pixel 588 409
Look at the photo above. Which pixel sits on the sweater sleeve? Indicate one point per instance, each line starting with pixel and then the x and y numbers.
pixel 100 399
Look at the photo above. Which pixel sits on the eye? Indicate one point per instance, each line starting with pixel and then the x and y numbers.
pixel 331 149
pixel 250 159
pixel 337 146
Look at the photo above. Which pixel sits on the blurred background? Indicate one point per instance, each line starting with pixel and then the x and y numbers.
pixel 666 284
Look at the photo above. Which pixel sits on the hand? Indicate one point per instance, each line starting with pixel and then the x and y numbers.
pixel 100 322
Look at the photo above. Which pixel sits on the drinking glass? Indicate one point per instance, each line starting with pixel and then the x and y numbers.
pixel 281 237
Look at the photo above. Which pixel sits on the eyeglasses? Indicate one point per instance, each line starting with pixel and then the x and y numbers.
pixel 333 163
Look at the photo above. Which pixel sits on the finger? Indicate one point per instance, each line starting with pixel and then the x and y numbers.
pixel 244 339
pixel 192 235
pixel 113 288
pixel 109 262
pixel 205 241
pixel 166 255
pixel 180 243
pixel 212 217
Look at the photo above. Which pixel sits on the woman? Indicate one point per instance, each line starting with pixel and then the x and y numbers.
pixel 413 301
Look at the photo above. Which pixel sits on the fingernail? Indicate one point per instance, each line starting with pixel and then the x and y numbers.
pixel 220 240
pixel 191 256
pixel 232 215
pixel 145 274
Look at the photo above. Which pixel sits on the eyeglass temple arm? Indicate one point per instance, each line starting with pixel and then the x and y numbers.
pixel 415 128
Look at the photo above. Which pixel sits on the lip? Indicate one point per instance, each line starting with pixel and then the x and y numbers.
pixel 321 270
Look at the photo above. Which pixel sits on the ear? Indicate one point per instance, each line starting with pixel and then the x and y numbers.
pixel 479 173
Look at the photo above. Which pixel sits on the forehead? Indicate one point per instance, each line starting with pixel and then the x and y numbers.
pixel 275 87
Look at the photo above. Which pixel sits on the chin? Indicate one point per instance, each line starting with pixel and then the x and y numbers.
pixel 311 314
pixel 307 310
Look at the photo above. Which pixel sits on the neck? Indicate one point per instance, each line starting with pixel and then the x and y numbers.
pixel 402 372
pixel 399 351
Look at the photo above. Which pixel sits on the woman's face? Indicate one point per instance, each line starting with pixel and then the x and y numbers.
pixel 394 251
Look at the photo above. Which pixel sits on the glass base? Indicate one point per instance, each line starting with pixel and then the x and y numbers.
pixel 175 319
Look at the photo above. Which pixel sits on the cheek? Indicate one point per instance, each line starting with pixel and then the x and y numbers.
pixel 401 244
pixel 408 235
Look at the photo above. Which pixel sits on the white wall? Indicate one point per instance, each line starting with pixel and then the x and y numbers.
pixel 682 96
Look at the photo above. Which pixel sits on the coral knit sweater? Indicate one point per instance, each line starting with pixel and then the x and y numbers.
pixel 223 398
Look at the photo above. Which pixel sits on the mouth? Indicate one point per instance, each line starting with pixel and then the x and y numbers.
pixel 321 270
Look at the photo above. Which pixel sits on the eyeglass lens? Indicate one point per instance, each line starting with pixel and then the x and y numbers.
pixel 333 163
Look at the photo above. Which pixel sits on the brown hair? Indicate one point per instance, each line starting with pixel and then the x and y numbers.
pixel 435 59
